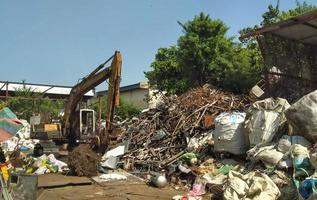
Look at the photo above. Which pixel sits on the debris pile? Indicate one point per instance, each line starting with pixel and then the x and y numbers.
pixel 159 136
pixel 83 161
pixel 211 142
pixel 224 145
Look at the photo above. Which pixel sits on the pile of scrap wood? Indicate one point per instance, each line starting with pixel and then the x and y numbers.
pixel 161 135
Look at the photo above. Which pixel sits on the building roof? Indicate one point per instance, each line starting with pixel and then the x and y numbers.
pixel 301 28
pixel 140 85
pixel 41 88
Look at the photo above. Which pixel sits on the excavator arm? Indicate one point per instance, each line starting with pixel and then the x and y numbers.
pixel 99 75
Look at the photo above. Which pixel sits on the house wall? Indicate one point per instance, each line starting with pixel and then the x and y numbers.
pixel 136 97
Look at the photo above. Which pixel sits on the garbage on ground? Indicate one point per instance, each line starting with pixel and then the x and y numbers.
pixel 286 142
pixel 112 176
pixel 118 151
pixel 159 180
pixel 45 164
pixel 254 185
pixel 229 135
pixel 206 141
pixel 264 118
pixel 308 188
pixel 186 197
pixel 268 155
pixel 179 120
pixel 302 117
pixel 111 162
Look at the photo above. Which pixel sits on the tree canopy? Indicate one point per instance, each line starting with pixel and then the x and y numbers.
pixel 203 54
pixel 25 102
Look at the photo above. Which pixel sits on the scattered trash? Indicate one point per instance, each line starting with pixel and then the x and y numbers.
pixel 118 151
pixel 286 142
pixel 254 185
pixel 264 118
pixel 229 135
pixel 268 155
pixel 302 116
pixel 112 176
pixel 159 180
pixel 203 141
pixel 111 162
pixel 308 188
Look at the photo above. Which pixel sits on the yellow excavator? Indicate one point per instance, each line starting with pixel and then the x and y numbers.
pixel 78 125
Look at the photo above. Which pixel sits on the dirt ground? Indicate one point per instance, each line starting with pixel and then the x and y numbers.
pixel 133 188
pixel 115 191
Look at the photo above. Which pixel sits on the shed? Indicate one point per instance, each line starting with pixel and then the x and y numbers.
pixel 289 50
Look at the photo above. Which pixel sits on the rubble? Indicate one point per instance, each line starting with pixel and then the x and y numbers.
pixel 160 136
pixel 206 141
pixel 181 136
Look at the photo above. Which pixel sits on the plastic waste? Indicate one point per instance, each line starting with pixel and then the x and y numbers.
pixel 263 120
pixel 229 135
pixel 302 116
pixel 307 188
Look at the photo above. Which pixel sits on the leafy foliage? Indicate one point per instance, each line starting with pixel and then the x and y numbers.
pixel 203 54
pixel 127 110
pixel 26 102
pixel 3 104
pixel 272 15
pixel 124 111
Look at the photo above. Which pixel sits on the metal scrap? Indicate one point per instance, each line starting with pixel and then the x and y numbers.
pixel 161 135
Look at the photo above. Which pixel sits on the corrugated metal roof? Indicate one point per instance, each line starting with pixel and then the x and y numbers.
pixel 301 28
pixel 140 85
pixel 41 88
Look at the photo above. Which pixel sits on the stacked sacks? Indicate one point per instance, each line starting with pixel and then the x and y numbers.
pixel 229 135
pixel 264 119
pixel 302 117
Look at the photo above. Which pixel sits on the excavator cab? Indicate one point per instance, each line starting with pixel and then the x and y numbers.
pixel 87 126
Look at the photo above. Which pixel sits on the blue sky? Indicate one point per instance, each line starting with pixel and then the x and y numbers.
pixel 58 41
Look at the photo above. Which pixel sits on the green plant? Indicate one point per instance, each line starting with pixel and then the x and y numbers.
pixel 203 54
pixel 25 102
pixel 125 109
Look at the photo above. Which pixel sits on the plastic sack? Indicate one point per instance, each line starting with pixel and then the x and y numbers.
pixel 255 186
pixel 301 163
pixel 268 155
pixel 264 118
pixel 302 116
pixel 286 142
pixel 307 189
pixel 229 135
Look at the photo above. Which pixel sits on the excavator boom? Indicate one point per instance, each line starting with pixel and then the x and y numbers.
pixel 99 75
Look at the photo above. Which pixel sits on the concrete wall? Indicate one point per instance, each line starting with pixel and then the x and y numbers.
pixel 137 97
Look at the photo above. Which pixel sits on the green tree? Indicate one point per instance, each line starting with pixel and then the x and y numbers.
pixel 272 15
pixel 124 111
pixel 203 54
pixel 166 74
pixel 25 102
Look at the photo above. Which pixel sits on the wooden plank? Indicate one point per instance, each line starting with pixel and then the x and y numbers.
pixel 59 180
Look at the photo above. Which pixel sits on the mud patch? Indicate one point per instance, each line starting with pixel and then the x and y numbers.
pixel 83 161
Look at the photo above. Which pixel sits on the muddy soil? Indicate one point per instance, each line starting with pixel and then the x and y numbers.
pixel 83 161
